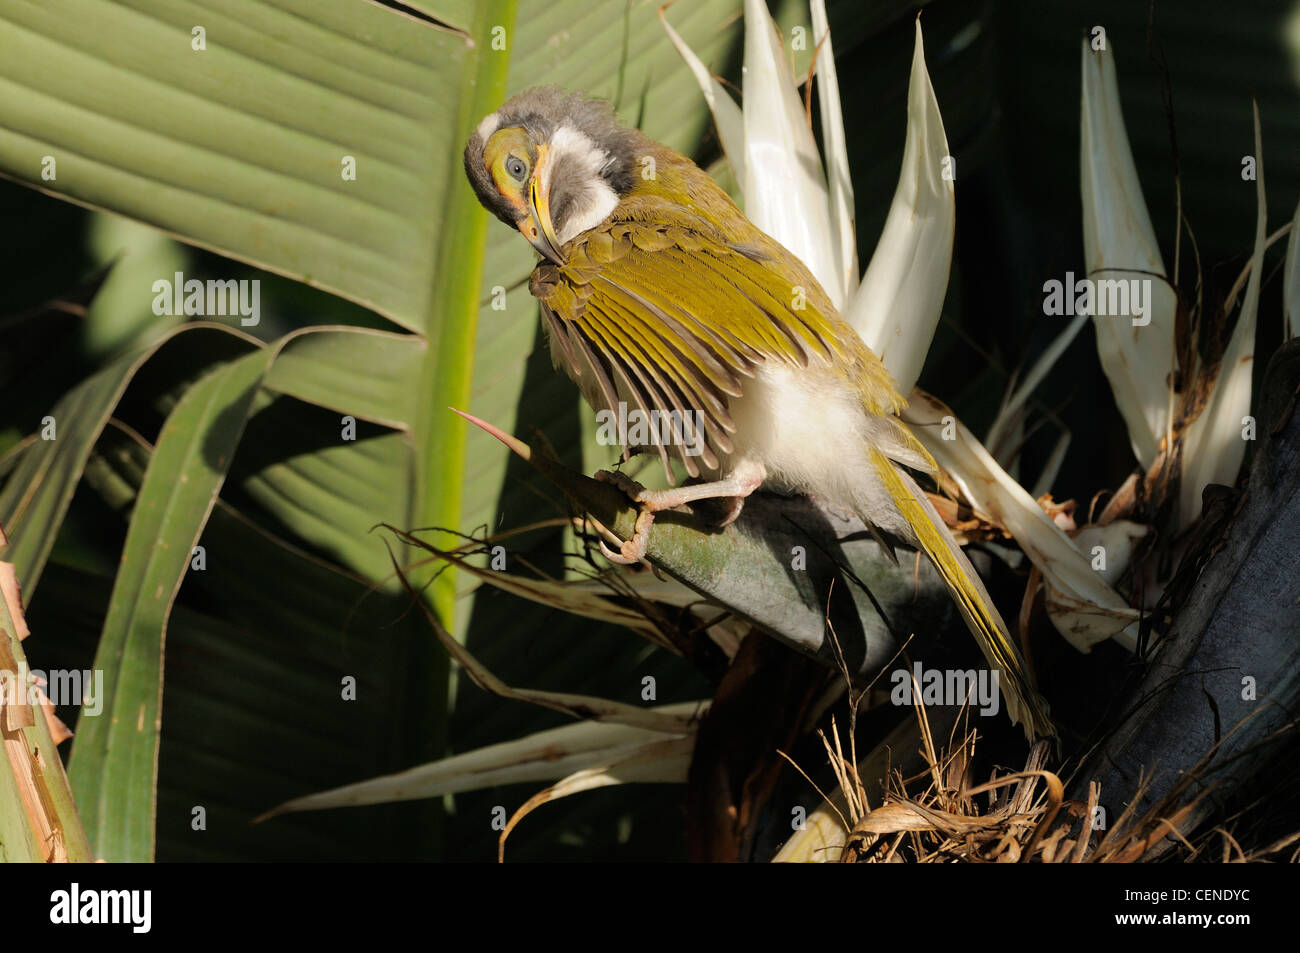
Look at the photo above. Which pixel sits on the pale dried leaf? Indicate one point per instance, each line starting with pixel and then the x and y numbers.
pixel 785 190
pixel 1082 606
pixel 727 116
pixel 898 304
pixel 542 756
pixel 1214 444
pixel 839 179
pixel 1120 245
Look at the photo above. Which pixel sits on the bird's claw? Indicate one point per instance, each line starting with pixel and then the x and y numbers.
pixel 634 550
pixel 734 505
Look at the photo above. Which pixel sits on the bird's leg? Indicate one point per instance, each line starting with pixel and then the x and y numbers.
pixel 743 480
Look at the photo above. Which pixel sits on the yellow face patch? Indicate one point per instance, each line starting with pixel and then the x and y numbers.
pixel 509 156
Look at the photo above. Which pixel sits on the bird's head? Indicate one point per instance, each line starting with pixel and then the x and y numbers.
pixel 551 164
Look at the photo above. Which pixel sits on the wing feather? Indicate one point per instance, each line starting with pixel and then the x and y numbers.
pixel 674 317
pixel 642 375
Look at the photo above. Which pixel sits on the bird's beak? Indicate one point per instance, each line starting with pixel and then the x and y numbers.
pixel 536 226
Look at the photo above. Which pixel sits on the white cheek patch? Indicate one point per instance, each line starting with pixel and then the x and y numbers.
pixel 597 200
pixel 488 126
pixel 589 210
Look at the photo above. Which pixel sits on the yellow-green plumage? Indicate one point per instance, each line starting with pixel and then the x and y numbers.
pixel 621 287
pixel 671 300
pixel 972 599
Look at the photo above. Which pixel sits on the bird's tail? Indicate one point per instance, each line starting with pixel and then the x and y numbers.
pixel 1025 706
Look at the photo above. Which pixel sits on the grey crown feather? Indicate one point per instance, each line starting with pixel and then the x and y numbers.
pixel 541 111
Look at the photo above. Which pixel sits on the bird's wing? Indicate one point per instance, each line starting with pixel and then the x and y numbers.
pixel 673 318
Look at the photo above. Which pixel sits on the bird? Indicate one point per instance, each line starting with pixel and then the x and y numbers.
pixel 657 293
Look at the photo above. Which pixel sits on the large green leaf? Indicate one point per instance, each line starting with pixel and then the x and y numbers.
pixel 365 373
pixel 114 762
pixel 36 496
pixel 241 146
pixel 322 487
pixel 254 711
pixel 326 489
pixel 244 146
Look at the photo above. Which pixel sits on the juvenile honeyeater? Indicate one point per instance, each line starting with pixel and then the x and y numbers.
pixel 657 292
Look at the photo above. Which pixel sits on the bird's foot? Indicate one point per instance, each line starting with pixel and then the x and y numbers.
pixel 634 549
pixel 738 485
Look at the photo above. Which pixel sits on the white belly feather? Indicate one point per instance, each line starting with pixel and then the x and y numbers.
pixel 810 434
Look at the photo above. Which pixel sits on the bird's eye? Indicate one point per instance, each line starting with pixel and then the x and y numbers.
pixel 517 168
